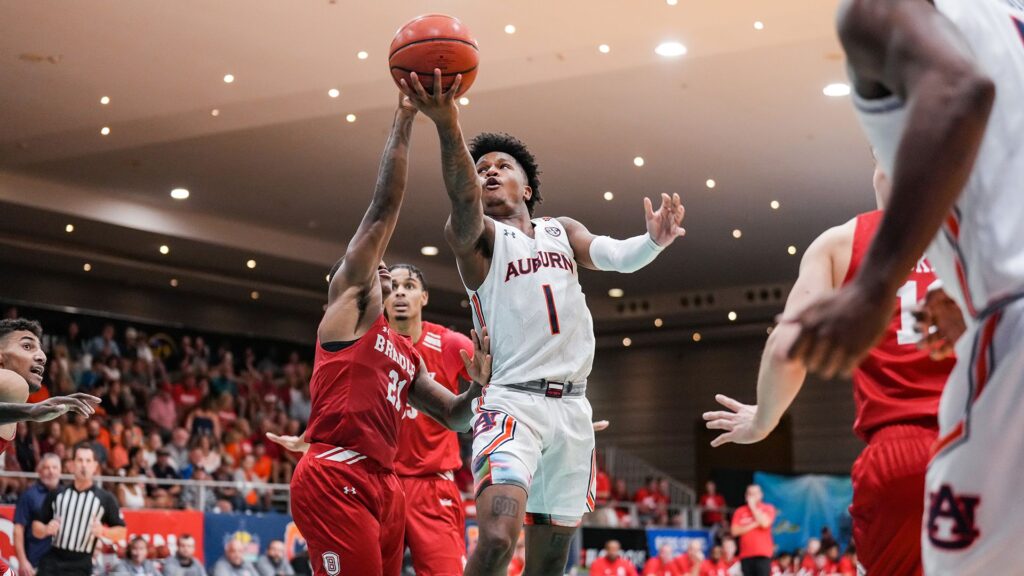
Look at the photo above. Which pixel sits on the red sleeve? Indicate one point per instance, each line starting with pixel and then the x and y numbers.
pixel 632 569
pixel 772 512
pixel 452 343
pixel 649 567
pixel 738 515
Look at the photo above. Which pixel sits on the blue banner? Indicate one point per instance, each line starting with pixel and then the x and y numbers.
pixel 678 539
pixel 255 531
pixel 806 504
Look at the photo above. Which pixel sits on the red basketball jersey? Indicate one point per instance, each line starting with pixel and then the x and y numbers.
pixel 896 382
pixel 360 393
pixel 426 447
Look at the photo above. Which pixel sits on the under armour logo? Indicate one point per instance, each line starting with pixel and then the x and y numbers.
pixel 510 233
pixel 951 519
pixel 348 490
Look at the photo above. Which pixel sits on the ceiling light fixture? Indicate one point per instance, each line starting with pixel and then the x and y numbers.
pixel 510 29
pixel 362 55
pixel 87 267
pixel 616 293
pixel 179 193
pixel 627 342
pixel 334 93
pixel 429 251
pixel 696 336
pixel 250 264
pixel 671 2
pixel 670 49
pixel 69 228
pixel 105 130
pixel 791 250
pixel 229 78
pixel 638 161
pixel 215 112
pixel 105 100
pixel 775 204
pixel 609 196
pixel 710 183
pixel 174 282
pixel 836 90
pixel 732 316
pixel 604 48
pixel 165 249
pixel 737 233
pixel 658 323
pixel 350 118
pixel 758 25
pixel 463 101
pixel 254 295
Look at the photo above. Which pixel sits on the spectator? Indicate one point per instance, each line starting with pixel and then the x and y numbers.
pixel 712 504
pixel 727 561
pixel 603 487
pixel 27 547
pixel 74 343
pixel 612 563
pixel 104 345
pixel 119 457
pixel 73 430
pixel 93 378
pixel 52 439
pixel 752 524
pixel 118 400
pixel 807 563
pixel 183 562
pixel 179 448
pixel 250 483
pixel 93 431
pixel 273 563
pixel 26 447
pixel 164 470
pixel 664 564
pixel 153 444
pixel 784 565
pixel 233 563
pixel 136 562
pixel 693 563
pixel 203 420
pixel 73 556
pixel 187 394
pixel 162 411
pixel 646 501
pixel 847 565
pixel 301 403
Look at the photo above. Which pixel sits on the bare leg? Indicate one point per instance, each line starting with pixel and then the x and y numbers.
pixel 547 549
pixel 500 510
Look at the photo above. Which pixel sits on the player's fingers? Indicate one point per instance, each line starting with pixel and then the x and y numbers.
pixel 720 425
pixel 86 397
pixel 455 87
pixel 730 403
pixel 601 425
pixel 467 360
pixel 76 406
pixel 680 231
pixel 438 90
pixel 648 208
pixel 718 415
pixel 666 201
pixel 722 439
pixel 418 88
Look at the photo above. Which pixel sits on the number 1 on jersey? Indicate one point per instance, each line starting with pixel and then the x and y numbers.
pixel 549 297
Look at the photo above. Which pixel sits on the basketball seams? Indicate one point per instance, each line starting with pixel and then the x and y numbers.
pixel 431 73
pixel 428 40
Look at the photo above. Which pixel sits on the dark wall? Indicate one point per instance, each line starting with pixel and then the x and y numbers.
pixel 654 397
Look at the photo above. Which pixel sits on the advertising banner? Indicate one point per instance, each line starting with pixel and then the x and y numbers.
pixel 678 539
pixel 806 504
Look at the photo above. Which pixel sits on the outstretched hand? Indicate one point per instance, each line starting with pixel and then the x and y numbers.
pixel 438 105
pixel 479 365
pixel 737 421
pixel 57 406
pixel 664 225
pixel 292 443
pixel 940 324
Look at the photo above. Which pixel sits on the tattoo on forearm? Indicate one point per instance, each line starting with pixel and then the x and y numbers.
pixel 505 506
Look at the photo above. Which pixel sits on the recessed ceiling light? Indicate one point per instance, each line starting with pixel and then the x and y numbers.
pixel 604 48
pixel 229 78
pixel 510 29
pixel 165 249
pixel 69 228
pixel 328 278
pixel 334 92
pixel 758 25
pixel 174 282
pixel 350 118
pixel 638 161
pixel 616 293
pixel 464 101
pixel 215 112
pixel 696 336
pixel 105 130
pixel 836 90
pixel 791 250
pixel 179 193
pixel 732 316
pixel 737 233
pixel 87 267
pixel 658 323
pixel 670 49
pixel 627 342
pixel 609 196
pixel 671 2
pixel 362 55
pixel 105 100
pixel 250 264
pixel 429 251
pixel 464 303
pixel 254 295
pixel 775 204
pixel 710 183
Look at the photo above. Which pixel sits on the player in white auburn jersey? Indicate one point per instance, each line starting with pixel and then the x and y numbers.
pixel 533 445
pixel 939 88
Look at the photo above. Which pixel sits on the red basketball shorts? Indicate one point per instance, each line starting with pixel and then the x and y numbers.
pixel 435 525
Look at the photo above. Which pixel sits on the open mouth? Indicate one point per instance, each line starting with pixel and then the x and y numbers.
pixel 37 370
pixel 492 183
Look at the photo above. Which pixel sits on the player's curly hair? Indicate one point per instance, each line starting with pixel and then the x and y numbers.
pixel 10 325
pixel 488 142
pixel 412 270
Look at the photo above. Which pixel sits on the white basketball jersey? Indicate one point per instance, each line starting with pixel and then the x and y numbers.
pixel 979 253
pixel 534 308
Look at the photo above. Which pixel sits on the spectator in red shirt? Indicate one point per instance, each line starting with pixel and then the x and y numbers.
pixel 693 563
pixel 187 393
pixel 646 500
pixel 727 561
pixel 603 490
pixel 807 562
pixel 752 524
pixel 784 565
pixel 612 563
pixel 847 565
pixel 663 564
pixel 712 504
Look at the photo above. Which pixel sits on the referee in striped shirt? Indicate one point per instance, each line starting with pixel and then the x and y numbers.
pixel 77 516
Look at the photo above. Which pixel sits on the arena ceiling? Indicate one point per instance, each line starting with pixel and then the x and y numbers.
pixel 277 173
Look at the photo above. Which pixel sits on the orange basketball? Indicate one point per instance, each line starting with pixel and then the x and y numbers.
pixel 434 41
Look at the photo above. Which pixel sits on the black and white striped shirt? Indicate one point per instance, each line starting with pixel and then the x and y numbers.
pixel 77 511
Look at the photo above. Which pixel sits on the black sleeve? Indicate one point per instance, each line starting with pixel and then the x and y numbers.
pixel 111 510
pixel 46 512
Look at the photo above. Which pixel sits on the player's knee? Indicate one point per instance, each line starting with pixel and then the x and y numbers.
pixel 495 546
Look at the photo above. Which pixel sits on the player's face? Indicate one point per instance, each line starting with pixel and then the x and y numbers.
pixel 407 296
pixel 20 353
pixel 504 183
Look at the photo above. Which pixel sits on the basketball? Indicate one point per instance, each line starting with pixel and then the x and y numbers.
pixel 434 41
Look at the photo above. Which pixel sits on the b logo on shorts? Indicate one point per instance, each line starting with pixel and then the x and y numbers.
pixel 956 512
pixel 332 564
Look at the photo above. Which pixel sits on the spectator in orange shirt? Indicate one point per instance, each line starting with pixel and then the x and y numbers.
pixel 752 524
pixel 612 563
pixel 663 564
pixel 264 466
pixel 712 504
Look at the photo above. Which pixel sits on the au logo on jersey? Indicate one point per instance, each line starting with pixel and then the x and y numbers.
pixel 553 230
pixel 332 564
pixel 951 523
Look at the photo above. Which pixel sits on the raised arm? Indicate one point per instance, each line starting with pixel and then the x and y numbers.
pixel 632 254
pixel 353 294
pixel 455 412
pixel 780 378
pixel 906 48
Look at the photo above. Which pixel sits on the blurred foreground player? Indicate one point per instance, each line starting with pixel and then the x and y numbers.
pixel 938 88
pixel 896 391
pixel 346 499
